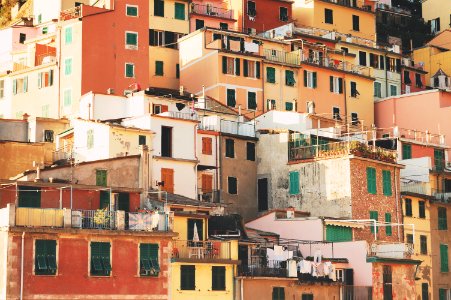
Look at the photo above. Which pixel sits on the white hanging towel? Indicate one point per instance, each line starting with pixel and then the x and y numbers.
pixel 278 251
pixel 317 256
pixel 155 220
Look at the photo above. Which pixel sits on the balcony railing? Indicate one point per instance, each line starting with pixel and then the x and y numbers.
pixel 414 135
pixel 339 65
pixel 339 149
pixel 180 115
pixel 143 221
pixel 425 189
pixel 358 4
pixel 292 58
pixel 212 196
pixel 94 219
pixel 270 268
pixel 39 217
pixel 209 10
pixel 71 13
pixel 45 58
pixel 201 250
pixel 390 250
pixel 238 128
pixel 63 153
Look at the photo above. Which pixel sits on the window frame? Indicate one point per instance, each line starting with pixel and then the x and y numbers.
pixel 127 6
pixel 155 265
pixel 292 81
pixel 230 191
pixel 386 183
pixel 310 79
pixel 128 45
pixel 47 259
pixel 294 183
pixel 129 64
pixel 281 15
pixel 68 66
pixel 67 40
pixel 328 18
pixel 106 269
pixel 248 98
pixel 408 212
pixel 229 143
pixel 423 244
pixel 156 8
pixel 218 281
pixel 253 151
pixel 442 216
pixel 175 11
pixel 159 66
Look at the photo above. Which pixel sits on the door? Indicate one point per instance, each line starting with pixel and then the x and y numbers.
pixel 167 177
pixel 166 141
pixel 387 281
pixel 124 202
pixel 262 194
pixel 29 196
pixel 243 256
pixel 104 200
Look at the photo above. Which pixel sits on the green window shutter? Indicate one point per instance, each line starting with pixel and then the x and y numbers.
pixel 338 233
pixel 90 139
pixel 408 203
pixel 231 98
pixel 14 86
pixel 40 80
pixel 331 81
pixel 251 100
pixel 314 80
pixel 374 216
pixel 305 78
pixel 442 219
pixel 101 177
pixel 25 84
pixel 187 277
pixel 159 68
pixel 371 180
pixel 250 151
pixel 45 257
pixel 149 263
pixel 270 75
pixel 444 267
pixel 237 66
pixel 100 259
pixel 278 293
pixel 68 35
pixel 257 69
pixel 423 244
pixel 132 11
pixel 224 65
pixel 406 151
pixel 218 278
pixel 340 85
pixel 180 11
pixel 68 66
pixel 388 229
pixel 158 8
pixel 386 180
pixel 245 70
pixel 442 294
pixel 439 161
pixel 131 38
pixel 288 106
pixel 294 183
pixel 129 70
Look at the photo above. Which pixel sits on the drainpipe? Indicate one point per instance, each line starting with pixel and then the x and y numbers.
pixel 21 265
pixel 386 75
pixel 242 289
pixel 346 100
pixel 59 73
pixel 397 203
pixel 195 157
pixel 71 190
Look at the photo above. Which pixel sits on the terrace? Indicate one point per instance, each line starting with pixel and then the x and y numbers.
pixel 215 123
pixel 212 11
pixel 339 65
pixel 212 196
pixel 201 250
pixel 423 188
pixel 71 13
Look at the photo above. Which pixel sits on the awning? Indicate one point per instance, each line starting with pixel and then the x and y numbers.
pixel 344 224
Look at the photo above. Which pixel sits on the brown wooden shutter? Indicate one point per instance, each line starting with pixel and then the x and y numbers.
pixel 167 175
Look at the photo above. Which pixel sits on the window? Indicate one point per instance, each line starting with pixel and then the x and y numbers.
pixel 101 177
pixel 20 85
pixel 406 151
pixel 418 82
pixel 289 78
pixel 142 140
pixel 250 151
pixel 409 238
pixel 355 23
pixel 166 141
pixel 29 196
pixel 200 228
pixel 408 203
pixel 231 98
pixel 307 297
pixel 294 183
pixel 388 229
pixel 206 145
pixel 423 244
pixel 131 40
pixel 251 100
pixel 442 294
pixel 232 185
pixel 310 79
pixel 386 183
pixel 45 257
pixel 362 58
pixel 393 90
pixel 442 222
pixel 199 24
pixel 328 16
pixel 68 35
pixel 444 258
pixel 67 97
pixel 45 30
pixel 187 277
pixel 179 11
pixel 223 26
pixel 374 216
pixel 336 113
pixel 354 91
pixel 218 281
pixel 345 50
pixel 39 18
pixel 148 260
pixel 158 68
pixel 230 148
pixel 68 66
pixel 278 293
pixel 374 60
pixel 100 259
pixel 338 233
pixel 2 89
pixel 435 25
pixel 158 8
pixel 207 184
pixel 271 104
pixel 439 159
pixel 45 79
pixel 251 9
pixel 371 180
pixel 48 134
pixel 270 75
pixel 131 10
pixel 336 85
pixel 421 209
pixel 231 66
pixel 289 106
pixel 407 77
pixel 262 194
pixel 377 89
pixel 354 119
pixel 156 37
pixel 177 70
pixel 283 14
pixel 129 70
pixel 424 291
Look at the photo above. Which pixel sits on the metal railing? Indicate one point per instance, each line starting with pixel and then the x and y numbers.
pixel 358 4
pixel 212 196
pixel 390 250
pixel 39 217
pixel 210 10
pixel 414 135
pixel 339 149
pixel 350 292
pixel 65 152
pixel 238 128
pixel 425 189
pixel 181 115
pixel 268 268
pixel 201 250
pixel 146 221
pixel 293 58
pixel 71 13
pixel 339 65
pixel 94 219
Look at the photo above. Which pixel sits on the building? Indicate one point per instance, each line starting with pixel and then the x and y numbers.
pixel 436 14
pixel 216 15
pixel 46 242
pixel 413 77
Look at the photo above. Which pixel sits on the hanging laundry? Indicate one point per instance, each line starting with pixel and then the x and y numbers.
pixel 327 266
pixel 317 256
pixel 320 270
pixel 314 270
pixel 278 250
pixel 332 273
pixel 155 220
pixel 251 47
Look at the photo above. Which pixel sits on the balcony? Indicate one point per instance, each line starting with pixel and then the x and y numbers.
pixel 45 58
pixel 389 8
pixel 357 4
pixel 201 250
pixel 71 13
pixel 63 153
pixel 270 268
pixel 390 250
pixel 339 65
pixel 340 149
pixel 423 188
pixel 215 123
pixel 94 219
pixel 209 10
pixel 180 115
pixel 291 58
pixel 213 196
pixel 39 217
pixel 413 135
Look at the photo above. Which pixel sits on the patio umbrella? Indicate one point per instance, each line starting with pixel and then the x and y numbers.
pixel 195 233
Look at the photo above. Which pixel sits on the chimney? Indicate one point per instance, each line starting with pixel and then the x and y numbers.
pixel 25 116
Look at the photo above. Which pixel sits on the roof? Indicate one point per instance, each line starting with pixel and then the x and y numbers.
pixel 439 73
pixel 442 40
pixel 229 226
pixel 169 93
pixel 176 199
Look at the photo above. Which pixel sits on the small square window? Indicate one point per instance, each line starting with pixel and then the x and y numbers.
pixel 131 40
pixel 142 140
pixel 131 10
pixel 230 148
pixel 100 259
pixel 129 70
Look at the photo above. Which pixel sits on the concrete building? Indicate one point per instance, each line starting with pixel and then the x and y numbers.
pixel 216 15
pixel 413 77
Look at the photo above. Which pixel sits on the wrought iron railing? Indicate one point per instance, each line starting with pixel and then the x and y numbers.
pixel 210 10
pixel 94 219
pixel 339 65
pixel 423 188
pixel 201 250
pixel 211 196
pixel 268 268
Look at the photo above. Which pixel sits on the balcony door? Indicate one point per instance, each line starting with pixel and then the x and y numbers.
pixel 29 196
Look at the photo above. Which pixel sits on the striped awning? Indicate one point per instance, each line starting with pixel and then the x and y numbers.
pixel 344 224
